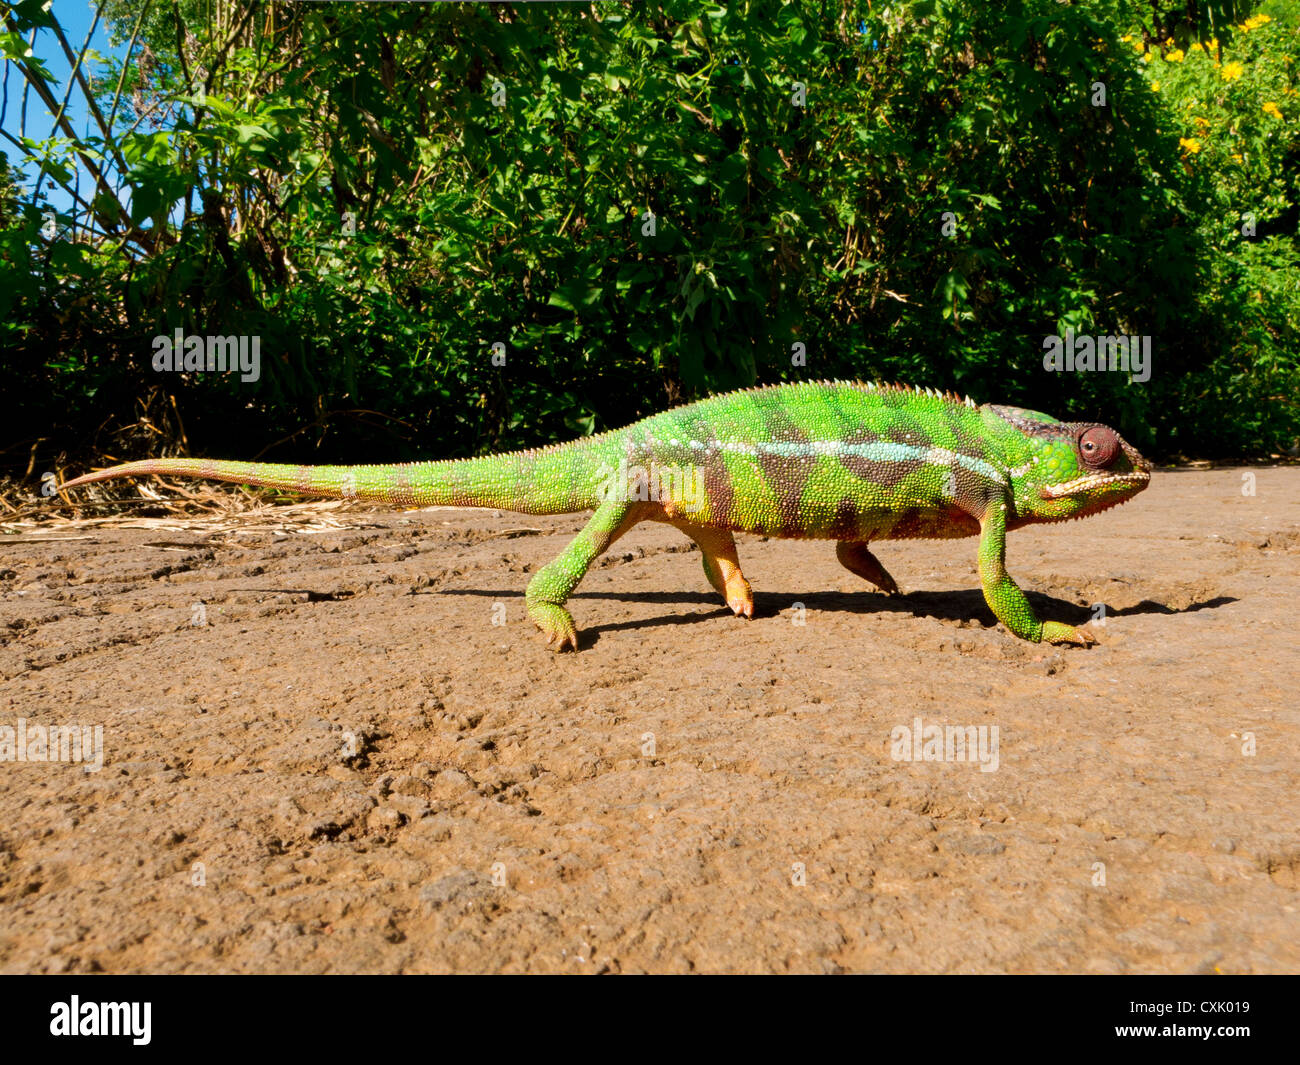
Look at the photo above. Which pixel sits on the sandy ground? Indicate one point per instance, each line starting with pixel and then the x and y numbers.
pixel 347 766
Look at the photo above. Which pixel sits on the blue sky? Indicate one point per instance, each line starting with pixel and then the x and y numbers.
pixel 76 17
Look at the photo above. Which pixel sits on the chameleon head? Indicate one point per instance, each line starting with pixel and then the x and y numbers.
pixel 1070 469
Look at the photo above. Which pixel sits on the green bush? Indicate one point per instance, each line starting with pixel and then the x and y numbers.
pixel 644 206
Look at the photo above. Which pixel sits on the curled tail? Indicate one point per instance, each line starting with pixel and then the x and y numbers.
pixel 553 480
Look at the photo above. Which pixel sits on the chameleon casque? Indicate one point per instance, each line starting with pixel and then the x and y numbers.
pixel 840 461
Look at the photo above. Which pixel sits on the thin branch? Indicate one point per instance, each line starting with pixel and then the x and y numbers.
pixel 42 90
pixel 121 78
pixel 74 63
pixel 180 45
pixel 225 48
pixel 4 96
pixel 85 87
pixel 22 111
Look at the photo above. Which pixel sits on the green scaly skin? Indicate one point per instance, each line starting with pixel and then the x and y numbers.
pixel 831 460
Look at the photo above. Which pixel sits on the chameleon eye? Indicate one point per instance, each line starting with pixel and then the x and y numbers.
pixel 1098 446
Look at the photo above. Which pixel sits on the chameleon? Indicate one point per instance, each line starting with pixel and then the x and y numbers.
pixel 846 461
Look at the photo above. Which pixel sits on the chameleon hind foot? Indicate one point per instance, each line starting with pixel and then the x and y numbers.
pixel 722 566
pixel 856 557
pixel 733 588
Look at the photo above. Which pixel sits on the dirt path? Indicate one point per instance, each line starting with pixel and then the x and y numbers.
pixel 346 766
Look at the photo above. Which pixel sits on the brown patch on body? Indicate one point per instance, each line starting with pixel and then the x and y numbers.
pixel 930 523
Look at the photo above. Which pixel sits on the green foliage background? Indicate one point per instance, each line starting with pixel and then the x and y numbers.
pixel 381 192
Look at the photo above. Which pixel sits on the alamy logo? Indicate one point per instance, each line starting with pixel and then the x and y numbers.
pixel 945 743
pixel 53 743
pixel 1083 354
pixel 181 352
pixel 683 486
pixel 102 1018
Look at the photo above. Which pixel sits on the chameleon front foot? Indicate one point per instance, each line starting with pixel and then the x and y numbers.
pixel 1056 632
pixel 555 581
pixel 556 624
pixel 1006 600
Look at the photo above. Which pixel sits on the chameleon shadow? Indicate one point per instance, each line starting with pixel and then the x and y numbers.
pixel 962 605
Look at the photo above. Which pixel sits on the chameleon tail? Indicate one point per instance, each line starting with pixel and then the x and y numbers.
pixel 552 480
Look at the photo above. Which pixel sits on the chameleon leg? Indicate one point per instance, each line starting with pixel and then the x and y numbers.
pixel 1004 598
pixel 554 582
pixel 721 566
pixel 856 557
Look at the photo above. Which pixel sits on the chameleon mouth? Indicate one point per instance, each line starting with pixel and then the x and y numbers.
pixel 1094 480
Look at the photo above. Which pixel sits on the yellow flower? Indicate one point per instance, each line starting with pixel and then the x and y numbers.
pixel 1255 21
pixel 1202 122
pixel 1231 71
pixel 1155 86
pixel 1146 57
pixel 1126 38
pixel 1176 56
pixel 1236 158
pixel 1271 108
pixel 1189 144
